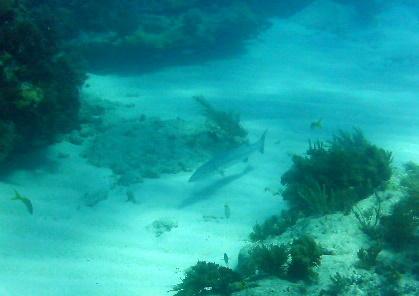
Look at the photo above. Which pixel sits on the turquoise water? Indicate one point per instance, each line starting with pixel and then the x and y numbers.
pixel 109 211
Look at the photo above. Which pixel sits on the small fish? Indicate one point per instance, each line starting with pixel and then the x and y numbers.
pixel 316 124
pixel 131 197
pixel 25 201
pixel 226 258
pixel 227 211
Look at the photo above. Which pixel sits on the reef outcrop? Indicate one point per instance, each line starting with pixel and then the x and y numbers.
pixel 39 83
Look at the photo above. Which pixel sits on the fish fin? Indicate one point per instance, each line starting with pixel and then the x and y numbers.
pixel 17 196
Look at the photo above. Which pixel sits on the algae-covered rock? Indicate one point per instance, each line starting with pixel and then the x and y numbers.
pixel 6 6
pixel 144 35
pixel 30 96
pixel 352 263
pixel 39 81
pixel 7 139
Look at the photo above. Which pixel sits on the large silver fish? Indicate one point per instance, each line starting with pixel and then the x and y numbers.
pixel 228 158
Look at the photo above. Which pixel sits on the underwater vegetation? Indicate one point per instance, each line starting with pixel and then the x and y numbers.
pixel 368 257
pixel 39 82
pixel 334 176
pixel 394 231
pixel 410 182
pixel 400 227
pixel 347 173
pixel 293 261
pixel 222 125
pixel 369 219
pixel 305 255
pixel 273 226
pixel 206 278
pixel 271 259
pixel 397 228
pixel 339 284
pixel 387 215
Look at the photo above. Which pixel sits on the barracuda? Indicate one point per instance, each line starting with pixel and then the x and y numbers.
pixel 227 159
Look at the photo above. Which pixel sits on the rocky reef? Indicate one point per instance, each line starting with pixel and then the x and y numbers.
pixel 39 82
pixel 144 35
pixel 370 248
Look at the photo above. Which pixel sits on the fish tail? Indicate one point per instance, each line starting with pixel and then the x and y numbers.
pixel 262 142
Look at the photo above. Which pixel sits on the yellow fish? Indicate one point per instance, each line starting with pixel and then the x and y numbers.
pixel 226 258
pixel 227 211
pixel 316 124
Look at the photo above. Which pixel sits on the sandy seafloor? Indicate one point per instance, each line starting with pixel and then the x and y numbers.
pixel 294 73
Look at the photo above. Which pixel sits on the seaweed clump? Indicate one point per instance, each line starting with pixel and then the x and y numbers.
pixel 399 227
pixel 368 257
pixel 294 261
pixel 369 219
pixel 273 226
pixel 305 255
pixel 334 176
pixel 222 125
pixel 339 284
pixel 206 278
pixel 272 259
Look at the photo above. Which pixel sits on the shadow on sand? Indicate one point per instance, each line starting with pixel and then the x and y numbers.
pixel 209 190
